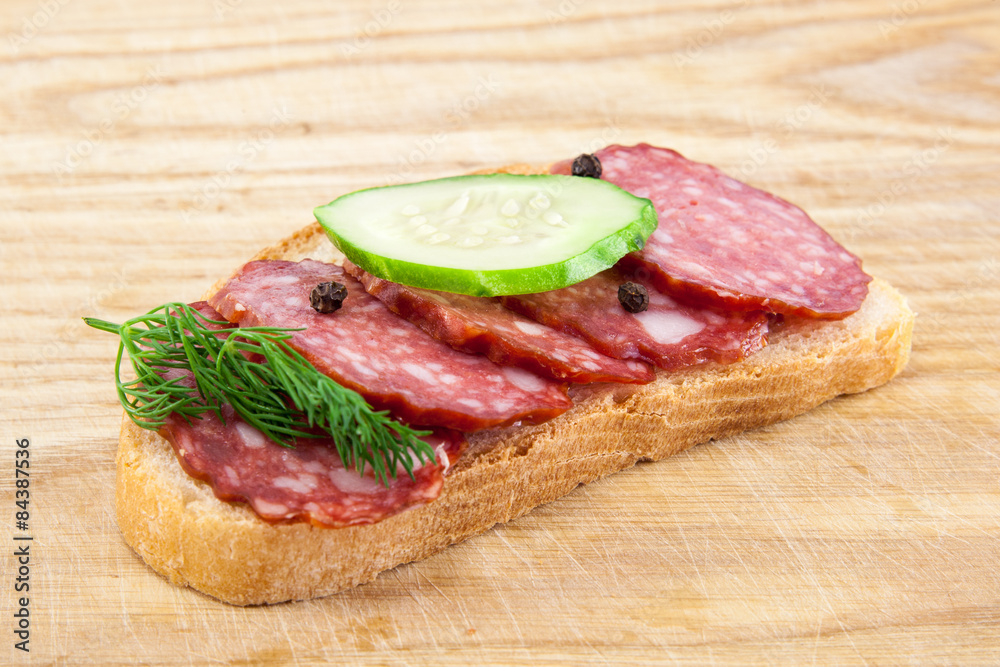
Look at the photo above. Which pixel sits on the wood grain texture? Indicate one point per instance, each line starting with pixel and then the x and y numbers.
pixel 148 150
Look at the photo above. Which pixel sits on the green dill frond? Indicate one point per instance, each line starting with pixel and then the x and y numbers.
pixel 174 347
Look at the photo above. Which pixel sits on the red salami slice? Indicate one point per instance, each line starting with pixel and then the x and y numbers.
pixel 667 334
pixel 726 243
pixel 392 363
pixel 483 326
pixel 307 483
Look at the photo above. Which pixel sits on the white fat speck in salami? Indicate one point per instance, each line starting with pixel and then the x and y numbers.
pixel 401 364
pixel 293 484
pixel 530 328
pixel 668 328
pixel 711 221
pixel 350 481
pixel 481 325
pixel 251 437
pixel 668 334
pixel 307 483
pixel 265 508
pixel 364 370
pixel 523 379
pixel 422 373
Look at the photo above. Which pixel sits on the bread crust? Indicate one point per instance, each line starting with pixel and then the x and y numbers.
pixel 177 525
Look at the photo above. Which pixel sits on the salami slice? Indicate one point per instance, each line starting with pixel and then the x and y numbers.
pixel 307 483
pixel 392 363
pixel 668 334
pixel 728 244
pixel 483 326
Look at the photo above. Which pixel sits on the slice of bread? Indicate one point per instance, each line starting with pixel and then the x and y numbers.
pixel 183 531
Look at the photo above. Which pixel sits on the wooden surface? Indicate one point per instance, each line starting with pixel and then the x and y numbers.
pixel 149 148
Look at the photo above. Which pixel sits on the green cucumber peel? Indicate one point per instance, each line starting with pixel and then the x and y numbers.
pixel 489 235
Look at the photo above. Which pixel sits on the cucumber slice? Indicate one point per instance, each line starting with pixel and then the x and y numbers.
pixel 489 235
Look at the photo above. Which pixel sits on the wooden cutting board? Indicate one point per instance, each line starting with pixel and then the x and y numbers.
pixel 149 150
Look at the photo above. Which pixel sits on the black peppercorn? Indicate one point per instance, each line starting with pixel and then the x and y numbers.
pixel 327 297
pixel 587 165
pixel 633 297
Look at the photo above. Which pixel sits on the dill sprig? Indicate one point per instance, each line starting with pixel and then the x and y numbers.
pixel 284 396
